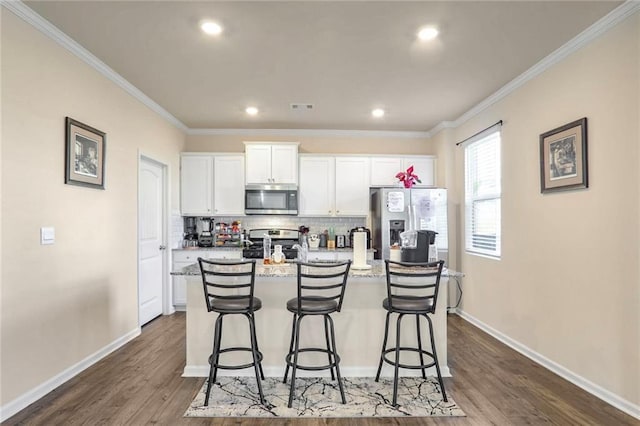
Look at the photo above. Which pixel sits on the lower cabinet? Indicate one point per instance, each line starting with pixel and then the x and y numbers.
pixel 182 258
pixel 334 256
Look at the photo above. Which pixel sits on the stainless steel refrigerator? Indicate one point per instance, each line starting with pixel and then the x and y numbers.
pixel 395 210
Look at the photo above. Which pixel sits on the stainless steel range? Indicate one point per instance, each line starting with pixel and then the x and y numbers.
pixel 284 237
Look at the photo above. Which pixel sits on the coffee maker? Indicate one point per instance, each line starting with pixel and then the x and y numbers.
pixel 418 246
pixel 190 236
pixel 205 239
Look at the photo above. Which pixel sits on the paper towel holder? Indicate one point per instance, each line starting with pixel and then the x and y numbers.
pixel 360 251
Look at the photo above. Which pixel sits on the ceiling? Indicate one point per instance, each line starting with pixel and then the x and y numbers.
pixel 345 58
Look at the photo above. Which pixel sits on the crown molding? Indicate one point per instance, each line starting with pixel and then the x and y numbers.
pixel 311 133
pixel 441 126
pixel 600 27
pixel 31 17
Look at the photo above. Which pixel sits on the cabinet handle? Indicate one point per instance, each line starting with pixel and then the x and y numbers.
pixel 162 247
pixel 337 211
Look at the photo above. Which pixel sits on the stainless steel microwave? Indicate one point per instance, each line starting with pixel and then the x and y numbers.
pixel 271 199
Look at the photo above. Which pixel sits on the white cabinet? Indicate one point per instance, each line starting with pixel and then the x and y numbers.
pixel 228 179
pixel 334 186
pixel 271 162
pixel 334 255
pixel 211 184
pixel 196 185
pixel 385 169
pixel 424 167
pixel 182 258
pixel 352 186
pixel 316 191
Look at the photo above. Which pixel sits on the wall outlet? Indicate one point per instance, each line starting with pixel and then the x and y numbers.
pixel 47 235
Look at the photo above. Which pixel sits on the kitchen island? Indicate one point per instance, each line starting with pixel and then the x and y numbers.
pixel 359 326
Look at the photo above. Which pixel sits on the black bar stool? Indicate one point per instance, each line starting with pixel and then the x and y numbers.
pixel 320 292
pixel 228 290
pixel 412 288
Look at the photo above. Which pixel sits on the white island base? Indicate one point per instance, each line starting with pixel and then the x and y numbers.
pixel 359 327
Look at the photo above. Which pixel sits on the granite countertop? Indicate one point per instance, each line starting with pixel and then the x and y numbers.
pixel 289 270
pixel 239 248
pixel 311 250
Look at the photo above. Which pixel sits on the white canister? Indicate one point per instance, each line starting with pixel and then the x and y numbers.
pixel 314 241
pixel 278 255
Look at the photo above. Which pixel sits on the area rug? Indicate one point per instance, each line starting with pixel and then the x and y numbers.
pixel 320 397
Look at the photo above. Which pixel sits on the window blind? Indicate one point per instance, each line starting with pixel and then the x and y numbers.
pixel 483 195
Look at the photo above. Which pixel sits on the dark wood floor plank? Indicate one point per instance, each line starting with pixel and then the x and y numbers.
pixel 141 384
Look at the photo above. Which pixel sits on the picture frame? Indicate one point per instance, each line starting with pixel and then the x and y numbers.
pixel 563 158
pixel 84 155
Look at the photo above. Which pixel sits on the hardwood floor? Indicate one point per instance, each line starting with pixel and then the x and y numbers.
pixel 140 384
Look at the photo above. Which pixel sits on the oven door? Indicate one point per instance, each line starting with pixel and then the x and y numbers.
pixel 271 199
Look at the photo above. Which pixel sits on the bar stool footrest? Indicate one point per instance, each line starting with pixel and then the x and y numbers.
pixel 336 357
pixel 235 367
pixel 410 366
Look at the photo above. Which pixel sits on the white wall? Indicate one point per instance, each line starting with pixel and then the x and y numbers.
pixel 568 285
pixel 63 302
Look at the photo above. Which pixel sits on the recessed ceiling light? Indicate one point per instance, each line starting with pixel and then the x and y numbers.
pixel 427 33
pixel 251 110
pixel 211 28
pixel 378 112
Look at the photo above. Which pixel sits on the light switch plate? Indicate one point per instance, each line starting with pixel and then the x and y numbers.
pixel 47 235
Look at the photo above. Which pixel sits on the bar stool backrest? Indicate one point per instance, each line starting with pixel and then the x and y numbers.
pixel 227 280
pixel 413 282
pixel 322 282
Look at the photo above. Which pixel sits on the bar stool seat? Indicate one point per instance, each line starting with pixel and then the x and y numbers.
pixel 320 292
pixel 315 305
pixel 408 306
pixel 412 289
pixel 235 306
pixel 228 290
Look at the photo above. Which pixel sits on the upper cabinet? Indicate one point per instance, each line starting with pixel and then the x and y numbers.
pixel 196 185
pixel 385 169
pixel 334 186
pixel 274 163
pixel 352 186
pixel 228 180
pixel 316 194
pixel 211 184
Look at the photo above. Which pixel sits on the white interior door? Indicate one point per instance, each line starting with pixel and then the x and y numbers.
pixel 151 240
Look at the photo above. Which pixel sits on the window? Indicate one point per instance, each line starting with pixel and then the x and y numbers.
pixel 483 193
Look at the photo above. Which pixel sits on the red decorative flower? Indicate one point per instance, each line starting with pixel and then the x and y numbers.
pixel 408 178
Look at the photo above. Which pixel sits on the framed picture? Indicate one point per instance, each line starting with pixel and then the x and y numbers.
pixel 84 155
pixel 563 157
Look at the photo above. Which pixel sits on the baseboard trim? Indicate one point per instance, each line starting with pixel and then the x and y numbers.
pixel 28 398
pixel 594 389
pixel 278 371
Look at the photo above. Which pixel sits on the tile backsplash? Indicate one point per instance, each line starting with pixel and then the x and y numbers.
pixel 340 225
pixel 177 230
